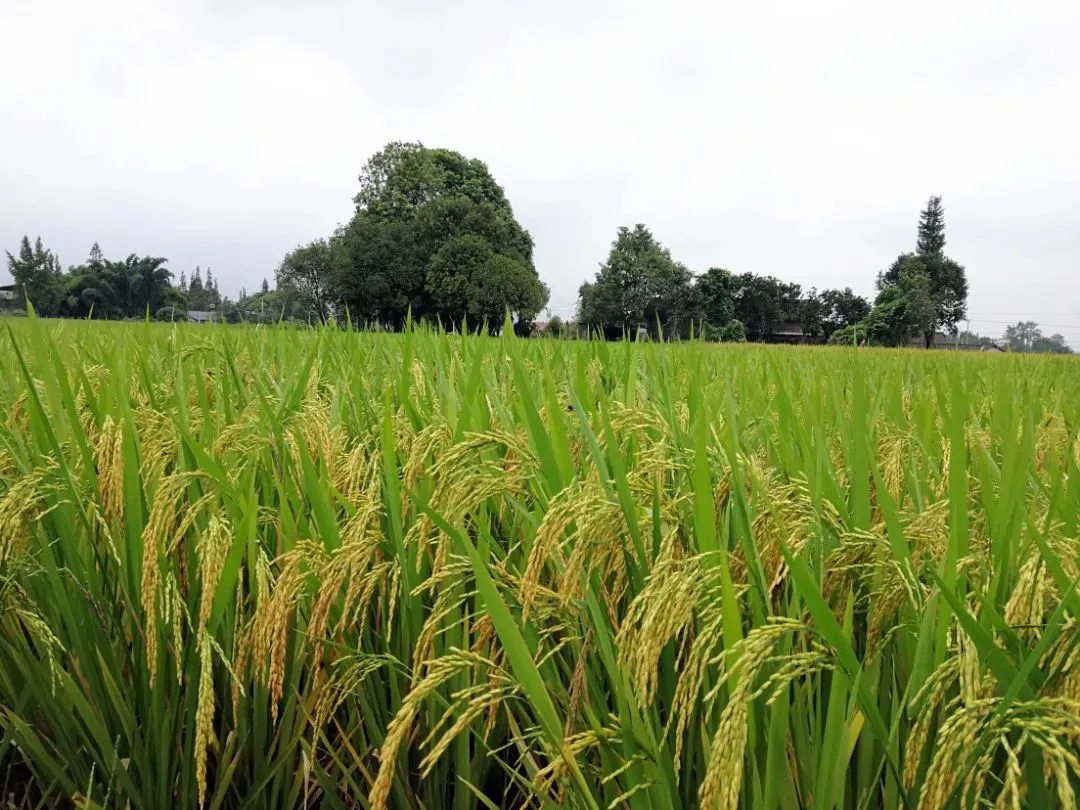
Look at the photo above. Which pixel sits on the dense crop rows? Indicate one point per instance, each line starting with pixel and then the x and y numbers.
pixel 263 568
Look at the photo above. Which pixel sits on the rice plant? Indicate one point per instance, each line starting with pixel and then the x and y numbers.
pixel 265 568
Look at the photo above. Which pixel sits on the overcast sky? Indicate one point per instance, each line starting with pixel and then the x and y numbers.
pixel 786 138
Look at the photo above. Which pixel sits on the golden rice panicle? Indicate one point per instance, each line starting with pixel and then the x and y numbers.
pixel 204 715
pixel 929 700
pixel 212 549
pixel 696 666
pixel 450 584
pixel 437 673
pixel 110 463
pixel 675 594
pixel 272 622
pixel 561 513
pixel 158 530
pixel 722 782
pixel 22 503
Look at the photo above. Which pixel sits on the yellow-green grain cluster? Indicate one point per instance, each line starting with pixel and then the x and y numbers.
pixel 272 568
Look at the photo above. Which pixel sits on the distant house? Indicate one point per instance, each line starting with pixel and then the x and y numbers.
pixel 9 298
pixel 791 332
pixel 963 343
pixel 201 316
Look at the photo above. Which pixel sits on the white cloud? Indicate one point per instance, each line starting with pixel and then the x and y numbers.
pixel 785 138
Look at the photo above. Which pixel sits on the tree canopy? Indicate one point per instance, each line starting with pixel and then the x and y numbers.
pixel 1027 337
pixel 308 271
pixel 947 279
pixel 37 276
pixel 639 285
pixel 434 234
pixel 99 287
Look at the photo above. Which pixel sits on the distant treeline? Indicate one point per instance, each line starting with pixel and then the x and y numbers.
pixel 432 235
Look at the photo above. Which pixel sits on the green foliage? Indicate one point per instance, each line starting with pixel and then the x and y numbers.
pixel 118 289
pixel 202 296
pixel 38 278
pixel 469 281
pixel 730 332
pixel 854 334
pixel 714 291
pixel 99 288
pixel 1027 337
pixel 308 270
pixel 763 303
pixel 640 285
pixel 903 310
pixel 273 306
pixel 947 278
pixel 931 239
pixel 840 309
pixel 414 207
pixel 556 327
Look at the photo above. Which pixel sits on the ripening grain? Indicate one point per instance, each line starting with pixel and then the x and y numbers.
pixel 263 568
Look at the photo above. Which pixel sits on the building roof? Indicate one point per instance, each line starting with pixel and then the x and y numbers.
pixel 788 328
pixel 201 316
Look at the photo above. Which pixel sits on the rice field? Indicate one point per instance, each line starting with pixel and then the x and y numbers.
pixel 263 568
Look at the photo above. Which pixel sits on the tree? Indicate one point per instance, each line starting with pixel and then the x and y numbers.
pixel 103 288
pixel 150 282
pixel 38 277
pixel 265 287
pixel 842 308
pixel 307 269
pixel 1055 344
pixel 903 310
pixel 1022 336
pixel 931 239
pixel 556 327
pixel 762 303
pixel 854 334
pixel 413 202
pixel 376 272
pixel 211 287
pixel 714 297
pixel 812 313
pixel 469 280
pixel 730 332
pixel 1026 336
pixel 198 297
pixel 948 279
pixel 639 285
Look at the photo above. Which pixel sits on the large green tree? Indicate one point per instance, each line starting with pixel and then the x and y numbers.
pixel 413 208
pixel 714 302
pixel 763 303
pixel 37 276
pixel 470 282
pixel 947 278
pixel 308 270
pixel 903 310
pixel 131 288
pixel 841 308
pixel 640 285
pixel 714 296
pixel 1026 336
